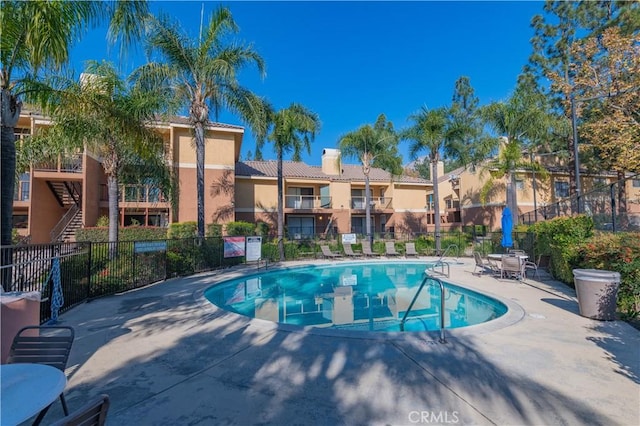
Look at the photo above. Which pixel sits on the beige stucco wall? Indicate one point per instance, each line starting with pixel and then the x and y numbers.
pixel 93 176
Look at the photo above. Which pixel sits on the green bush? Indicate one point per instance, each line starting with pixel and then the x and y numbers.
pixel 102 222
pixel 214 230
pixel 559 238
pixel 182 230
pixel 128 233
pixel 241 228
pixel 615 252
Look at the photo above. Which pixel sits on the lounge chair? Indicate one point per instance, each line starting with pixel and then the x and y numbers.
pixel 410 250
pixel 390 249
pixel 328 254
pixel 94 413
pixel 48 345
pixel 512 266
pixel 348 250
pixel 366 249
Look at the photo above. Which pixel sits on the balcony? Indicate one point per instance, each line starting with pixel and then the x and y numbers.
pixel 63 164
pixel 377 203
pixel 452 204
pixel 307 202
pixel 135 194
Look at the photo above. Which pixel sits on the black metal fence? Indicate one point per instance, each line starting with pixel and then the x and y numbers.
pixel 611 207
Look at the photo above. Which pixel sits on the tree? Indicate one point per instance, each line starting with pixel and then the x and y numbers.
pixel 433 131
pixel 556 32
pixel 375 145
pixel 38 35
pixel 203 75
pixel 293 129
pixel 607 78
pixel 521 122
pixel 110 116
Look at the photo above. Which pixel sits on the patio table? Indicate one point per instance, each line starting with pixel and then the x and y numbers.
pixel 26 389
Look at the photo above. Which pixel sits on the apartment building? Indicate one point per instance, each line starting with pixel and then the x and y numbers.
pixel 54 198
pixel 331 198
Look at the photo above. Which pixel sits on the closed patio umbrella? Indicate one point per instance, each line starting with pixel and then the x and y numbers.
pixel 507 228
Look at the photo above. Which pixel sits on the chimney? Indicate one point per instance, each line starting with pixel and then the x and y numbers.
pixel 331 161
pixel 440 169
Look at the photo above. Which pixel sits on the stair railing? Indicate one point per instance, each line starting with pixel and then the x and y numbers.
pixel 62 224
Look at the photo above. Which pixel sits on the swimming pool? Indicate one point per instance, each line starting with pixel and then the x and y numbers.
pixel 353 296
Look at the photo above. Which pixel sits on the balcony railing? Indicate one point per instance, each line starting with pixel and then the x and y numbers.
pixel 66 164
pixel 307 202
pixel 135 194
pixel 453 204
pixel 376 202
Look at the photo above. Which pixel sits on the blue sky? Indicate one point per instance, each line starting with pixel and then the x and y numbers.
pixel 350 61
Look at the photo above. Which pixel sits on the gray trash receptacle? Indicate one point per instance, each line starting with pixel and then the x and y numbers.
pixel 597 293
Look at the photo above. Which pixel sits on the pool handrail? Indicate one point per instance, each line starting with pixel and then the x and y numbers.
pixel 424 281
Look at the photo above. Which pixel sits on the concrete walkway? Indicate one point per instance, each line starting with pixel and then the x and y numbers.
pixel 166 356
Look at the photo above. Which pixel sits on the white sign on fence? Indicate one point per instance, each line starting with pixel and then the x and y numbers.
pixel 254 249
pixel 349 239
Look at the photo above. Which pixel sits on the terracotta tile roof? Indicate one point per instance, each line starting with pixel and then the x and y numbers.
pixel 179 119
pixel 447 175
pixel 291 169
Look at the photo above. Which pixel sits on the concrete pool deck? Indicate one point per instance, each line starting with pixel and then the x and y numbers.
pixel 165 356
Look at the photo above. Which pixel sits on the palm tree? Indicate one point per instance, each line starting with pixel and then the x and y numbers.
pixel 38 35
pixel 110 116
pixel 521 122
pixel 294 128
pixel 375 145
pixel 203 75
pixel 435 132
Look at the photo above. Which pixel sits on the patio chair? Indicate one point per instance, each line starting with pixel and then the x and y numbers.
pixel 532 266
pixel 390 249
pixel 94 413
pixel 328 254
pixel 487 265
pixel 49 345
pixel 348 250
pixel 512 266
pixel 366 249
pixel 410 250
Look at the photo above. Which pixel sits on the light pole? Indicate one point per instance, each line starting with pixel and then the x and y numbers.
pixel 576 157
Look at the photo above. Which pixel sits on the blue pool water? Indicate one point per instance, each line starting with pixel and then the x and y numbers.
pixel 356 296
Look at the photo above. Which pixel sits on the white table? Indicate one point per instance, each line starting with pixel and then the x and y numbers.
pixel 497 256
pixel 26 389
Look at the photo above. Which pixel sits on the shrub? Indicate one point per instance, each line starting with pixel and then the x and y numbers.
pixel 182 230
pixel 559 239
pixel 128 233
pixel 241 228
pixel 214 230
pixel 102 222
pixel 615 252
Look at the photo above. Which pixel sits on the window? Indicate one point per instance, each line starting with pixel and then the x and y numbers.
pixel 561 189
pixel 359 225
pixel 300 226
pixel 635 183
pixel 519 184
pixel 599 182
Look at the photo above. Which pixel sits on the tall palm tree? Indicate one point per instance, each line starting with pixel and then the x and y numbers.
pixel 375 145
pixel 521 122
pixel 293 129
pixel 38 35
pixel 203 75
pixel 436 133
pixel 110 116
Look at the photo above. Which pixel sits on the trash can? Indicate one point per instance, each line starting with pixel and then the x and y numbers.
pixel 597 293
